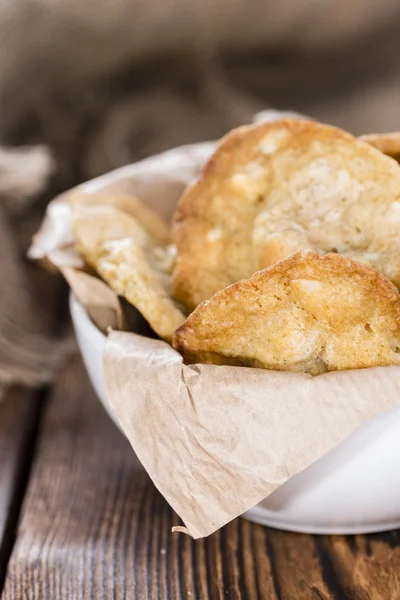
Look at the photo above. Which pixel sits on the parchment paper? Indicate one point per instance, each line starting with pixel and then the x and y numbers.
pixel 218 440
pixel 101 302
pixel 215 440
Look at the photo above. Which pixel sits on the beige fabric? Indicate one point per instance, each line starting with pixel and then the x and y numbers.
pixel 27 355
pixel 114 80
pixel 105 82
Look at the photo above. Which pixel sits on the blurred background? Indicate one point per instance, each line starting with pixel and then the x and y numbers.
pixel 105 82
pixel 87 86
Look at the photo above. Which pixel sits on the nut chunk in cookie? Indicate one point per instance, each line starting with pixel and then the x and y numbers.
pixel 308 313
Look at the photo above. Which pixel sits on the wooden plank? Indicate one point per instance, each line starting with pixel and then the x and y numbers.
pixel 297 566
pixel 91 520
pixel 364 567
pixel 19 413
pixel 14 410
pixel 94 527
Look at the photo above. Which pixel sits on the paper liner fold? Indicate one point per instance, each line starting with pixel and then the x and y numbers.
pixel 101 302
pixel 218 440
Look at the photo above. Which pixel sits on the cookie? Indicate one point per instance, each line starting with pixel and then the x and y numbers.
pixel 93 225
pixel 137 276
pixel 156 227
pixel 280 187
pixel 308 313
pixel 388 143
pixel 127 258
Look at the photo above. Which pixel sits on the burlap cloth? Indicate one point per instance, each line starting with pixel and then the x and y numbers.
pixel 101 83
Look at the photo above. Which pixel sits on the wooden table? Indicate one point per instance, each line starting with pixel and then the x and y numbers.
pixel 80 519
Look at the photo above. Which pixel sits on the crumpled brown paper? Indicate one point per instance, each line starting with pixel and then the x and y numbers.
pixel 101 302
pixel 216 440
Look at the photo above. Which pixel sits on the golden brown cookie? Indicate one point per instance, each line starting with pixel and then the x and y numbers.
pixel 156 227
pixel 92 225
pixel 125 255
pixel 308 313
pixel 280 187
pixel 388 143
pixel 137 276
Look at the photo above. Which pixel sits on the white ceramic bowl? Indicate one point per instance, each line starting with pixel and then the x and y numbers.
pixel 355 488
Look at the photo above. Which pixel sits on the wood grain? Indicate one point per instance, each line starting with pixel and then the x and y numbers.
pixel 94 527
pixel 296 554
pixel 364 567
pixel 19 414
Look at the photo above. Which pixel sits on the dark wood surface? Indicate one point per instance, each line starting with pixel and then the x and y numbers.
pixel 80 519
pixel 18 422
